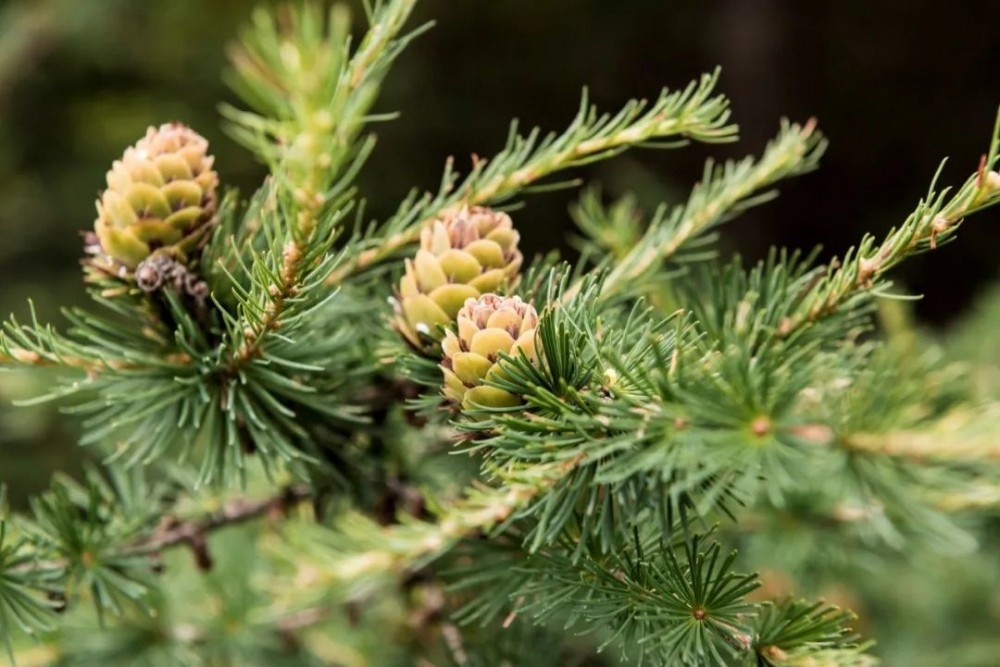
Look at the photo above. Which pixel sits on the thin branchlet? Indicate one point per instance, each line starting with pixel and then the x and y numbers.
pixel 935 220
pixel 696 113
pixel 316 136
pixel 724 192
pixel 191 532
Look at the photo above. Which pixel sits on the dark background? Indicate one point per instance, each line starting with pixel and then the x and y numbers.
pixel 895 84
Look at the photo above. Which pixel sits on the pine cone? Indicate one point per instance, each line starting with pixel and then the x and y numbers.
pixel 465 253
pixel 161 195
pixel 486 326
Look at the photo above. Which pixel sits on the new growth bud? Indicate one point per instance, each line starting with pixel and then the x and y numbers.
pixel 992 181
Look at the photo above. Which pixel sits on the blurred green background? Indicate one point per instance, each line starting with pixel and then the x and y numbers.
pixel 896 84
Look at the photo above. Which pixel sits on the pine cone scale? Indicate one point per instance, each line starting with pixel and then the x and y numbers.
pixel 451 297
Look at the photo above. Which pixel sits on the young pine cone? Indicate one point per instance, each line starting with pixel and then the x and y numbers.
pixel 486 326
pixel 465 253
pixel 161 195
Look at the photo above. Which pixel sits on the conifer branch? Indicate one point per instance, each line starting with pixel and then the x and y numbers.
pixel 935 220
pixel 316 101
pixel 943 443
pixel 95 538
pixel 977 496
pixel 233 512
pixel 312 96
pixel 39 345
pixel 681 608
pixel 37 656
pixel 366 552
pixel 191 533
pixel 798 633
pixel 962 435
pixel 693 113
pixel 18 356
pixel 724 191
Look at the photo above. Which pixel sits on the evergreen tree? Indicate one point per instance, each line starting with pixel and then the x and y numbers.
pixel 402 442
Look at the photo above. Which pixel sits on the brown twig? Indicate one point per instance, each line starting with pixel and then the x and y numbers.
pixel 237 511
pixel 193 533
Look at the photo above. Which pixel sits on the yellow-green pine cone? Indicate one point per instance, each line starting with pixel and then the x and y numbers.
pixel 485 327
pixel 161 195
pixel 465 253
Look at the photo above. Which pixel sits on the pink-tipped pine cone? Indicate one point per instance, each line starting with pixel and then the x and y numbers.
pixel 485 327
pixel 161 195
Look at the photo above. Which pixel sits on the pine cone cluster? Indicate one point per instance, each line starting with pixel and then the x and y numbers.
pixel 447 302
pixel 161 195
pixel 464 254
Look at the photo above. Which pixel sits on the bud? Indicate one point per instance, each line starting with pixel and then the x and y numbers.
pixel 992 181
pixel 161 195
pixel 463 254
pixel 486 327
pixel 609 379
